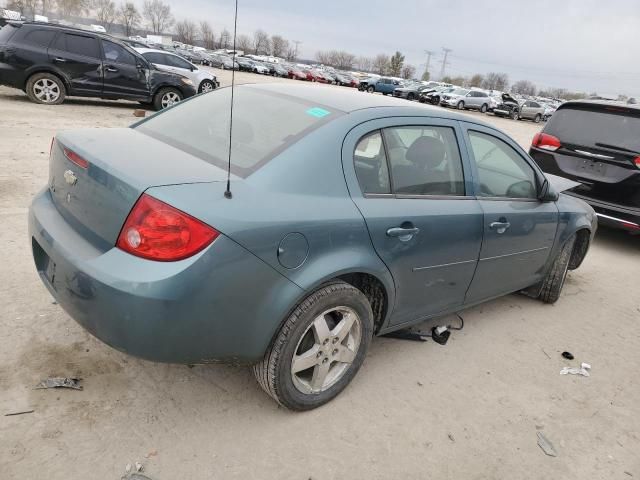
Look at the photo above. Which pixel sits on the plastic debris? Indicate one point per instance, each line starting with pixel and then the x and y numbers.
pixel 139 467
pixel 546 446
pixel 583 370
pixel 18 413
pixel 568 355
pixel 60 382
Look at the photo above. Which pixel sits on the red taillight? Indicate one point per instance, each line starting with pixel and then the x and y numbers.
pixel 546 142
pixel 158 231
pixel 75 158
pixel 636 161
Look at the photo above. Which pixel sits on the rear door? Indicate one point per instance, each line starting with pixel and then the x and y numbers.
pixel 124 74
pixel 407 177
pixel 77 56
pixel 519 229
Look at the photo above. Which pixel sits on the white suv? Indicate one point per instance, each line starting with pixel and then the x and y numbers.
pixel 170 62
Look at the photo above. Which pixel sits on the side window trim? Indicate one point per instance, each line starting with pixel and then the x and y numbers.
pixel 467 128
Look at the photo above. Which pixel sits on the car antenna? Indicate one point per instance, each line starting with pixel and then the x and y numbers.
pixel 227 193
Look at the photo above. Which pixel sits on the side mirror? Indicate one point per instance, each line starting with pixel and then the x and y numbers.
pixel 547 193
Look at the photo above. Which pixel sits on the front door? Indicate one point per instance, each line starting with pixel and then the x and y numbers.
pixel 124 74
pixel 519 229
pixel 408 180
pixel 78 57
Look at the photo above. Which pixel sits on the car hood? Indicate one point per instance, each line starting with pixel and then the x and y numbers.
pixel 506 98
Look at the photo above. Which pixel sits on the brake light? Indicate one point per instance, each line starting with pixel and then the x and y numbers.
pixel 75 158
pixel 545 141
pixel 636 161
pixel 158 231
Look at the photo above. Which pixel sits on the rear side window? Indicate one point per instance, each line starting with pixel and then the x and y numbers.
pixel 78 45
pixel 370 163
pixel 589 128
pixel 39 38
pixel 424 160
pixel 155 57
pixel 175 61
pixel 264 125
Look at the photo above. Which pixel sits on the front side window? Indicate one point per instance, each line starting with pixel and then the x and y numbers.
pixel 424 160
pixel 155 57
pixel 178 62
pixel 502 172
pixel 117 54
pixel 39 38
pixel 371 164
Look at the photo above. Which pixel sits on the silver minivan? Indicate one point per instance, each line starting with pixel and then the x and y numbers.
pixel 467 99
pixel 531 111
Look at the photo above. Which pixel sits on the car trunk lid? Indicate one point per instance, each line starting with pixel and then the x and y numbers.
pixel 121 165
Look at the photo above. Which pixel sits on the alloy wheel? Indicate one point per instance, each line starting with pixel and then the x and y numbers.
pixel 326 350
pixel 169 99
pixel 206 87
pixel 47 91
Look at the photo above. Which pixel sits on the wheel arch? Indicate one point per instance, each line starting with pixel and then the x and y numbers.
pixel 580 248
pixel 46 69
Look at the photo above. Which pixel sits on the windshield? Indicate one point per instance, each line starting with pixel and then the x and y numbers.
pixel 460 91
pixel 264 124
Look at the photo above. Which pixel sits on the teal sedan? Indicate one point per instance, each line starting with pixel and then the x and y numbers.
pixel 333 217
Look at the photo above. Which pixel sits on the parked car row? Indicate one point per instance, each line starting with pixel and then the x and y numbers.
pixel 49 62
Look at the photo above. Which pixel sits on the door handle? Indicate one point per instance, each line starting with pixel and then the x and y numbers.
pixel 500 227
pixel 403 234
pixel 109 68
pixel 59 60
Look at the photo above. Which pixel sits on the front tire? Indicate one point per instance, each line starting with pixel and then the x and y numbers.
pixel 46 89
pixel 460 105
pixel 319 349
pixel 371 89
pixel 206 86
pixel 554 281
pixel 166 97
pixel 515 115
pixel 537 118
pixel 484 108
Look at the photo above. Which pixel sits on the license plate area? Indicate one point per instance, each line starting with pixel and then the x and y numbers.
pixel 592 167
pixel 45 266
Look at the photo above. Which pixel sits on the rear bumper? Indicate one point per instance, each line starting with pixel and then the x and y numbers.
pixel 223 304
pixel 11 76
pixel 610 213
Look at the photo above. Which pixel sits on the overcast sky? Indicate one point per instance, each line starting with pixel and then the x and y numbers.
pixel 588 45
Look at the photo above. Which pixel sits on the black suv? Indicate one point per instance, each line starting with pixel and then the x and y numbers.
pixel 597 144
pixel 49 62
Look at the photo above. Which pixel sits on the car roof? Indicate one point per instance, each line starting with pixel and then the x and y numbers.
pixel 349 100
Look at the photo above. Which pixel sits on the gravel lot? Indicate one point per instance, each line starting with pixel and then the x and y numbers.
pixel 470 410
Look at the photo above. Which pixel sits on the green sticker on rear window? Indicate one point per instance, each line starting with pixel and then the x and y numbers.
pixel 318 112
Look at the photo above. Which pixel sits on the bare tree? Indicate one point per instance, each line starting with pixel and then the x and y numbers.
pixel 476 80
pixel 224 39
pixel 364 63
pixel 279 46
pixel 408 71
pixel 68 8
pixel 17 6
pixel 207 35
pixel 292 54
pixel 243 43
pixel 45 6
pixel 186 32
pixel 426 76
pixel 495 81
pixel 395 64
pixel 129 16
pixel 260 42
pixel 380 64
pixel 158 14
pixel 105 12
pixel 524 87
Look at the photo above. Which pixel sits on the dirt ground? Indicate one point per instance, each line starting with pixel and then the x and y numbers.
pixel 469 410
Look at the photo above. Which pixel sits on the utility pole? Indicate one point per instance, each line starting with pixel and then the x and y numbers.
pixel 446 51
pixel 429 54
pixel 297 42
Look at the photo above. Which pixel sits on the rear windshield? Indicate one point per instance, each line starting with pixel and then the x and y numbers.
pixel 588 127
pixel 264 124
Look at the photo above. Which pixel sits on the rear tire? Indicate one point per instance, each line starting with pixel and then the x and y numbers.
pixel 167 97
pixel 46 89
pixel 554 281
pixel 537 118
pixel 329 334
